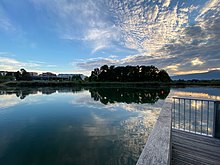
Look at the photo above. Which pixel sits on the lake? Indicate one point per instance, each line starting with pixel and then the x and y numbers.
pixel 81 126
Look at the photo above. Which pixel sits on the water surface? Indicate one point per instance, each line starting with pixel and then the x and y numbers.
pixel 81 126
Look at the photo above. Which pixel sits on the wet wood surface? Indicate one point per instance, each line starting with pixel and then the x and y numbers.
pixel 194 149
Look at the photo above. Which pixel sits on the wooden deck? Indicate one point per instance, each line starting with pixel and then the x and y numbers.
pixel 193 149
pixel 170 142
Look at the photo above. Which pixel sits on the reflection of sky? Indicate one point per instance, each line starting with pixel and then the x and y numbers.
pixel 202 93
pixel 65 115
pixel 123 127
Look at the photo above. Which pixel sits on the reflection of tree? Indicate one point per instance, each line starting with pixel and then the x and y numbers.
pixel 24 92
pixel 128 95
pixel 48 91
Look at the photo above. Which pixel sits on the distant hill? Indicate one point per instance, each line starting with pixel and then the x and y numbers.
pixel 211 75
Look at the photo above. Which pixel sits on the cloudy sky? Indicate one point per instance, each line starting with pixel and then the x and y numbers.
pixel 75 36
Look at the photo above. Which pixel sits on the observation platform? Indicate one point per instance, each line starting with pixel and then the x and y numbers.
pixel 187 132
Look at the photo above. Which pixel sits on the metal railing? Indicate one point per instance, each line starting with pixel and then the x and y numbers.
pixel 195 115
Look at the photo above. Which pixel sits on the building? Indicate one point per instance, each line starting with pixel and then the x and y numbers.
pixel 70 76
pixel 33 74
pixel 3 73
pixel 8 75
pixel 12 74
pixel 48 74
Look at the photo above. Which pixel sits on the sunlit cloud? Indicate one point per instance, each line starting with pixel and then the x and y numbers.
pixel 197 61
pixel 167 34
pixel 148 27
pixel 173 67
pixel 190 72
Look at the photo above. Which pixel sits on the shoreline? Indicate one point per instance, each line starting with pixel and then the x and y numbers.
pixel 106 84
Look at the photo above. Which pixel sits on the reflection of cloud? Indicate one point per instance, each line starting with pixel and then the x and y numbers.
pixel 138 128
pixel 194 94
pixel 8 101
pixel 135 128
pixel 101 127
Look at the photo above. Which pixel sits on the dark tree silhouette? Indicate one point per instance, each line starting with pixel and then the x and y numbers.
pixel 163 76
pixel 129 74
pixel 22 75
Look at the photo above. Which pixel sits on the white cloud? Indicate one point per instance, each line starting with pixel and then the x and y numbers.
pixel 164 33
pixel 11 64
pixel 85 20
pixel 197 61
pixel 210 5
pixel 8 61
pixel 166 3
pixel 148 28
pixel 8 25
pixel 101 38
pixel 173 67
pixel 5 23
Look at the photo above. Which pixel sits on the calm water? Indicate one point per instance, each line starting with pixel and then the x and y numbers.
pixel 81 126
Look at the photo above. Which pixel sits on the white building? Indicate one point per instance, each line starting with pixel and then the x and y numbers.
pixel 69 76
pixel 3 73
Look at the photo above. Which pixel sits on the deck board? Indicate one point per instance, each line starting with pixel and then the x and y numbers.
pixel 193 149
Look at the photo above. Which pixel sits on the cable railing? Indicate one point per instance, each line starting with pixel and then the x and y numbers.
pixel 198 116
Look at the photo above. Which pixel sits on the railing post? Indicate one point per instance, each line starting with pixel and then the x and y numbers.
pixel 216 120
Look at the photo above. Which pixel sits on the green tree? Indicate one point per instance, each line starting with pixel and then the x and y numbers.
pixel 22 75
pixel 129 74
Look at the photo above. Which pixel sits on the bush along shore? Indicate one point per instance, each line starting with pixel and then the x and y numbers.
pixel 107 84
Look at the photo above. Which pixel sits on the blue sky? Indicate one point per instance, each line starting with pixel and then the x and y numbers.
pixel 75 36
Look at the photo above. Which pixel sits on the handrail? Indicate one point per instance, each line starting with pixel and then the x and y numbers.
pixel 157 150
pixel 198 99
pixel 195 115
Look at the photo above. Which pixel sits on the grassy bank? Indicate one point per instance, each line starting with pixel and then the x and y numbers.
pixel 105 84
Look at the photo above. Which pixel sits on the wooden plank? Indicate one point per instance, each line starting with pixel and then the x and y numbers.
pixel 193 149
pixel 183 158
pixel 187 153
pixel 198 137
pixel 206 148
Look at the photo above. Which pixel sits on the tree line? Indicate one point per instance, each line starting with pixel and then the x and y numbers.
pixel 129 74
